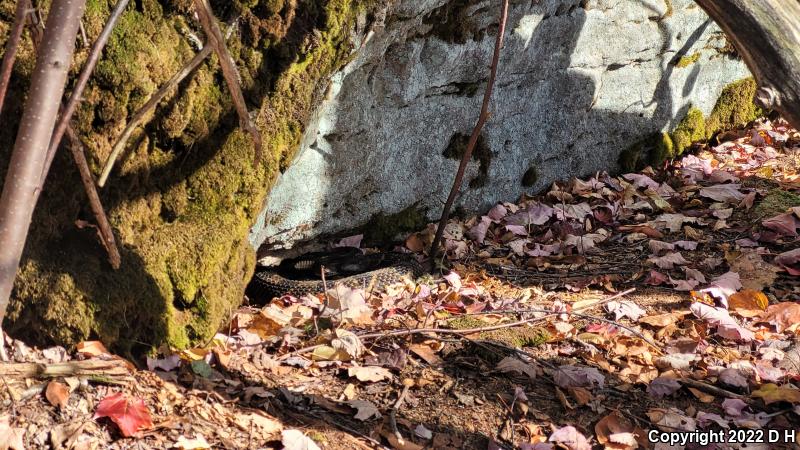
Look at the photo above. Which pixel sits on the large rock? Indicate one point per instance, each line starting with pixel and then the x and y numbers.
pixel 579 82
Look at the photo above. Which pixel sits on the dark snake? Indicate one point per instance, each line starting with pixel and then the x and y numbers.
pixel 348 267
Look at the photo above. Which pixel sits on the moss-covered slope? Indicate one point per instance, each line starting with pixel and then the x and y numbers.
pixel 184 195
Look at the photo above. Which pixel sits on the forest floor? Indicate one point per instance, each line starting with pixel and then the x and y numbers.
pixel 605 313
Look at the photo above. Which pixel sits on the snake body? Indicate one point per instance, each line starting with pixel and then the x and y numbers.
pixel 348 267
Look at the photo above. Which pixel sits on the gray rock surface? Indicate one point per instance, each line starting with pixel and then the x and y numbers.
pixel 579 81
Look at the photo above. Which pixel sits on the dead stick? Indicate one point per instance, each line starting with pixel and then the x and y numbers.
pixel 83 79
pixel 214 37
pixel 11 48
pixel 473 139
pixel 393 413
pixel 88 368
pixel 139 116
pixel 714 390
pixel 106 233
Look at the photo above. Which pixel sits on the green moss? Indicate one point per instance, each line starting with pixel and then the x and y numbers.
pixel 530 177
pixel 185 193
pixel 734 108
pixel 481 153
pixel 686 61
pixel 691 128
pixel 777 201
pixel 653 150
pixel 383 228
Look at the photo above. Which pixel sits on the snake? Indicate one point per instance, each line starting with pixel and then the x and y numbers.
pixel 343 266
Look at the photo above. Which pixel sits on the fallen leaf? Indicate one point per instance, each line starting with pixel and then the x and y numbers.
pixel 11 438
pixel 370 373
pixel 511 364
pixel 733 406
pixel 129 413
pixel 296 440
pixel 733 377
pixel 57 394
pixel 365 409
pixel 784 315
pixel 91 348
pixel 625 308
pixel 748 303
pixel 662 320
pixel 728 193
pixel 662 387
pixel 197 443
pixel 719 317
pixel 570 438
pixel 668 261
pixel 577 376
pixel 772 393
pixel 258 422
pixel 754 272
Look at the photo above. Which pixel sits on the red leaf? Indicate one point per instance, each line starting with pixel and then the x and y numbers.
pixel 130 414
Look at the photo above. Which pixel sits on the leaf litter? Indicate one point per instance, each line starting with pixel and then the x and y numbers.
pixel 534 338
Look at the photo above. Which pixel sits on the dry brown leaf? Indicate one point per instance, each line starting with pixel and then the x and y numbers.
pixel 662 320
pixel 754 272
pixel 91 348
pixel 748 303
pixel 57 394
pixel 702 396
pixel 369 373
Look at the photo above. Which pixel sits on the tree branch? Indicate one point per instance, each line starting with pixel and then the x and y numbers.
pixel 214 37
pixel 23 179
pixel 473 139
pixel 11 48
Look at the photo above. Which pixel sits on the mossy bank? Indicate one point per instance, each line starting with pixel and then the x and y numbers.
pixel 735 107
pixel 185 193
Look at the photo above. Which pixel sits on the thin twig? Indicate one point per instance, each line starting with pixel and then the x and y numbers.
pixel 140 115
pixel 104 226
pixel 473 139
pixel 715 390
pixel 80 84
pixel 11 48
pixel 214 37
pixel 393 413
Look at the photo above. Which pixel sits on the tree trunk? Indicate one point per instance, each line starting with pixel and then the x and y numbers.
pixel 766 33
pixel 28 158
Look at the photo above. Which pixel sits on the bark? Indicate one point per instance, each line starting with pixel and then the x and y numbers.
pixel 766 33
pixel 28 158
pixel 215 38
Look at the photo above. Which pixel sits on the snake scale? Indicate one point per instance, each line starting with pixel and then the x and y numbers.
pixel 345 266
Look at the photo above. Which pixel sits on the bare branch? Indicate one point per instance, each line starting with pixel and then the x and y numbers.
pixel 473 139
pixel 214 37
pixel 106 233
pixel 11 48
pixel 23 179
